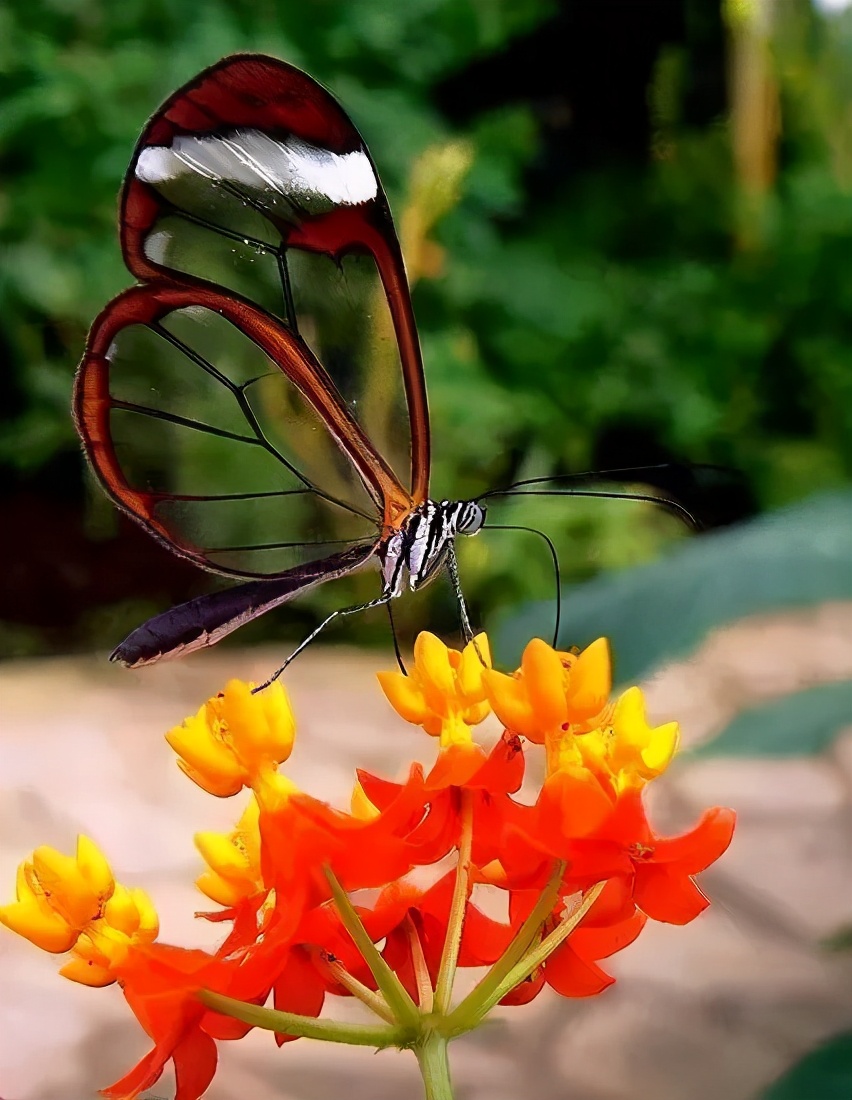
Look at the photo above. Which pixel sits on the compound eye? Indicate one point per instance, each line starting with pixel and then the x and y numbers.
pixel 472 519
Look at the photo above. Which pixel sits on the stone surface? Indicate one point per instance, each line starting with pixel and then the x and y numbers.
pixel 714 1009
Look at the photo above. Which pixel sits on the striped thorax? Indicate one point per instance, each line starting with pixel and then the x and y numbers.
pixel 413 555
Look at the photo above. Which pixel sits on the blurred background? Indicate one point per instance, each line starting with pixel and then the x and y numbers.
pixel 629 225
pixel 642 257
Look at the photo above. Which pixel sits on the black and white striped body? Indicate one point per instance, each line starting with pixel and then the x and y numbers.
pixel 413 555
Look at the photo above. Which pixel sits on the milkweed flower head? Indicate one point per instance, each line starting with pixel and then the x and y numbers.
pixel 444 692
pixel 73 904
pixel 237 739
pixel 317 901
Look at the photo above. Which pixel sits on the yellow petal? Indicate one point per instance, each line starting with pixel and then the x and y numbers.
pixel 203 752
pixel 220 853
pixel 220 786
pixel 432 662
pixel 40 925
pixel 259 725
pixel 638 748
pixel 87 973
pixel 131 912
pixel 544 679
pixel 65 887
pixel 477 712
pixel 120 911
pixel 220 890
pixel 361 806
pixel 663 745
pixel 280 720
pixel 94 867
pixel 470 668
pixel 148 920
pixel 629 715
pixel 404 695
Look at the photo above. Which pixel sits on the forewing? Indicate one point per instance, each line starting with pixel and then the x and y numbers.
pixel 252 178
pixel 201 416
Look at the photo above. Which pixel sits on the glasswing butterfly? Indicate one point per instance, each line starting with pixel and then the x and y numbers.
pixel 272 316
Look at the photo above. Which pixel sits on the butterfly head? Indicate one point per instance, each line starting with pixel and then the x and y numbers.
pixel 471 518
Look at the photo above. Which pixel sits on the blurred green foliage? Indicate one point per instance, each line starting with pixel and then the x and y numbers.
pixel 792 559
pixel 614 302
pixel 825 1073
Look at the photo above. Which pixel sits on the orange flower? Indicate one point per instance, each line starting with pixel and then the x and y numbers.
pixel 294 937
pixel 572 970
pixel 128 921
pixel 551 690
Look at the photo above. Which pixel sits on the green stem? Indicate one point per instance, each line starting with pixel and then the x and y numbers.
pixel 398 1001
pixel 452 943
pixel 468 1012
pixel 425 993
pixel 537 956
pixel 374 1001
pixel 289 1023
pixel 434 1065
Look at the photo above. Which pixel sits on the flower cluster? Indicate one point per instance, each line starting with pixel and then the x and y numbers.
pixel 579 865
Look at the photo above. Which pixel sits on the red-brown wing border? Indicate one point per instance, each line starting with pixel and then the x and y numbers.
pixel 93 402
pixel 259 91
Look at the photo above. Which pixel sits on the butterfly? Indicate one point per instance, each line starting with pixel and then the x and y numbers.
pixel 254 220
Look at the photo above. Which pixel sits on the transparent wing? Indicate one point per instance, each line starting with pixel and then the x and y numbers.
pixel 215 427
pixel 253 179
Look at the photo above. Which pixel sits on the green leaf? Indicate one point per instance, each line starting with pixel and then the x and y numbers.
pixel 824 1073
pixel 795 557
pixel 839 940
pixel 801 724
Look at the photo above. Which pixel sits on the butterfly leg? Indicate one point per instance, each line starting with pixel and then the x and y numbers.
pixel 385 597
pixel 396 648
pixel 453 570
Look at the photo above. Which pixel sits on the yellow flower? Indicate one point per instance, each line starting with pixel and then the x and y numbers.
pixel 233 860
pixel 552 690
pixel 625 753
pixel 128 920
pixel 639 752
pixel 444 693
pixel 75 904
pixel 236 739
pixel 57 896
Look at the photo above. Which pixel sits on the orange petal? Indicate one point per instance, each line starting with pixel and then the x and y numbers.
pixel 509 702
pixel 572 976
pixel 666 896
pixel 573 804
pixel 590 682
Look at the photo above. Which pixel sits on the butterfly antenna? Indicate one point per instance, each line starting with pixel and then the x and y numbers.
pixel 554 557
pixel 619 473
pixel 667 503
pixel 396 649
